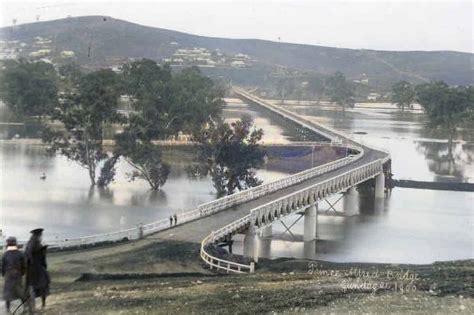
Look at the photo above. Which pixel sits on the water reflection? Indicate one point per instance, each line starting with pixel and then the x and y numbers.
pixel 455 162
pixel 417 153
pixel 66 206
pixel 412 226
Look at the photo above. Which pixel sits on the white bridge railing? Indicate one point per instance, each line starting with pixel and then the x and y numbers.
pixel 226 202
pixel 338 183
pixel 206 209
pixel 333 135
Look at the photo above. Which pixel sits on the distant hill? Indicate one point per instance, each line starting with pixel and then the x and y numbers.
pixel 112 41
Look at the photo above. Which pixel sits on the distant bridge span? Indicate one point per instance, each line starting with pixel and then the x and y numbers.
pixel 250 211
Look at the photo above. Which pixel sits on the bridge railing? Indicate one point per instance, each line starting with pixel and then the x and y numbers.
pixel 327 132
pixel 206 209
pixel 256 192
pixel 219 263
pixel 256 214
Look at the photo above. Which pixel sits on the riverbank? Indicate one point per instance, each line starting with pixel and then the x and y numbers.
pixel 162 277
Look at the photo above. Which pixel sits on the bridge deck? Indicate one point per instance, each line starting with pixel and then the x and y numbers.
pixel 197 230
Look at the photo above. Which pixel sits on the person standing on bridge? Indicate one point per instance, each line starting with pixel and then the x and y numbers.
pixel 13 270
pixel 37 277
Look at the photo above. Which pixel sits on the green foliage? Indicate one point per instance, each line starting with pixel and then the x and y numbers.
pixel 340 90
pixel 285 86
pixel 84 114
pixel 447 107
pixel 71 75
pixel 29 88
pixel 230 154
pixel 316 87
pixel 195 100
pixel 166 104
pixel 144 157
pixel 107 171
pixel 403 94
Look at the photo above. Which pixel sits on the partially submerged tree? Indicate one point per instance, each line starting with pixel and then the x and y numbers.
pixel 144 157
pixel 230 154
pixel 84 114
pixel 340 90
pixel 316 87
pixel 403 94
pixel 447 107
pixel 29 88
pixel 165 104
pixel 285 86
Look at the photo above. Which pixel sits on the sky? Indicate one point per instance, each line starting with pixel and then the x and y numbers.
pixel 371 24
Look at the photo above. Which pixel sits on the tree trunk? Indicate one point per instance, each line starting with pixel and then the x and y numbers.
pixel 450 144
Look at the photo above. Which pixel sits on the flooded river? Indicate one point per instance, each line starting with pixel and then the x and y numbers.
pixel 414 226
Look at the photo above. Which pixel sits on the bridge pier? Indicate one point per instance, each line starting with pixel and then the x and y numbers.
pixel 350 201
pixel 380 185
pixel 267 231
pixel 311 223
pixel 309 249
pixel 251 243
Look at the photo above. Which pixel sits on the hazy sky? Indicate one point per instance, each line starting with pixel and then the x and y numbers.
pixel 387 25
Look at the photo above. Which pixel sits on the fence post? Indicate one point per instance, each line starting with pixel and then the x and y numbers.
pixel 140 231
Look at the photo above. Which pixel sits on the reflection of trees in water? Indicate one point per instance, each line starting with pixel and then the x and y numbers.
pixel 337 119
pixel 447 159
pixel 148 198
pixel 33 157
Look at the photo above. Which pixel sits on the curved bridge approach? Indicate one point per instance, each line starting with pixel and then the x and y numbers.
pixel 300 192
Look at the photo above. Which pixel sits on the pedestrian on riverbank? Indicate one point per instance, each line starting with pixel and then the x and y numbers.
pixel 175 219
pixel 171 220
pixel 13 270
pixel 37 277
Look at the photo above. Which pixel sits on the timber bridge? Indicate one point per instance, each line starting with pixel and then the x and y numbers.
pixel 254 210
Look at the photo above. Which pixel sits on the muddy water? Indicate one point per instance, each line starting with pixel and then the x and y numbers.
pixel 412 225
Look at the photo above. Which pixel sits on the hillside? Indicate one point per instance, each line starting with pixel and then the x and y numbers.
pixel 103 41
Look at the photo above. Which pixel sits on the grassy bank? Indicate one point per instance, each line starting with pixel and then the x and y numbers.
pixel 161 277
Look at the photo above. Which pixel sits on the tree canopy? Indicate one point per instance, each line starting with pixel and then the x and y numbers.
pixel 29 88
pixel 165 105
pixel 403 94
pixel 340 90
pixel 84 114
pixel 230 153
pixel 446 107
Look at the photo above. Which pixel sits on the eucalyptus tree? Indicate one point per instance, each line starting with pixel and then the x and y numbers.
pixel 29 88
pixel 403 94
pixel 316 87
pixel 340 90
pixel 230 154
pixel 448 108
pixel 165 104
pixel 84 112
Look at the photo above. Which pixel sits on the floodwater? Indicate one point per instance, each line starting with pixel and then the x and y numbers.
pixel 65 205
pixel 412 225
pixel 417 153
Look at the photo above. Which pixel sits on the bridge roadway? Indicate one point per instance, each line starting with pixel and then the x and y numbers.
pixel 197 230
pixel 259 206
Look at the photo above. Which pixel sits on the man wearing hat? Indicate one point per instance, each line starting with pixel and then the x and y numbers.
pixel 37 277
pixel 13 270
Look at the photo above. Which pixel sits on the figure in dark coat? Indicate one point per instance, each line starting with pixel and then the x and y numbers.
pixel 37 276
pixel 13 270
